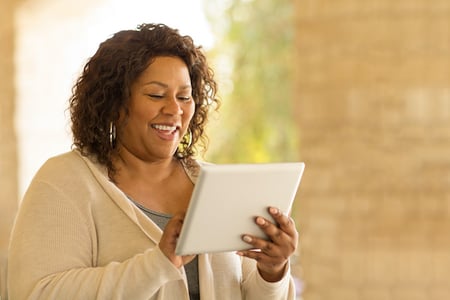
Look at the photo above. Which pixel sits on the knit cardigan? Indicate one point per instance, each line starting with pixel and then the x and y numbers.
pixel 77 236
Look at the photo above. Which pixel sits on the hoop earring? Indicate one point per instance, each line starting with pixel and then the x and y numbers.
pixel 189 143
pixel 189 138
pixel 185 143
pixel 112 135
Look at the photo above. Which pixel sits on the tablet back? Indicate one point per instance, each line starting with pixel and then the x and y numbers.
pixel 227 198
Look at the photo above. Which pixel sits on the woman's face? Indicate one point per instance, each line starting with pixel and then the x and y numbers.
pixel 160 109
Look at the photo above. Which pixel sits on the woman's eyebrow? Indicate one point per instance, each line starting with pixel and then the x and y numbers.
pixel 156 83
pixel 183 87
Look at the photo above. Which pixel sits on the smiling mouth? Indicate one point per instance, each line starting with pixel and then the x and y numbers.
pixel 166 132
pixel 167 128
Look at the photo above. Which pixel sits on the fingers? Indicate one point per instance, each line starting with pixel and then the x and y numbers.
pixel 169 239
pixel 173 229
pixel 170 235
pixel 283 229
pixel 272 255
pixel 285 222
pixel 283 238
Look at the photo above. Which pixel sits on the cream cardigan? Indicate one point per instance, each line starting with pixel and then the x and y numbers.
pixel 77 236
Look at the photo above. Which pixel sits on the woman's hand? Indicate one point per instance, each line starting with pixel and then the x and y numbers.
pixel 169 239
pixel 272 255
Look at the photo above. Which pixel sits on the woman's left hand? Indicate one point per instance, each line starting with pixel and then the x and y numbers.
pixel 272 255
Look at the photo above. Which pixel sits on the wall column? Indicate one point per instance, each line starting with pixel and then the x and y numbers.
pixel 8 144
pixel 373 106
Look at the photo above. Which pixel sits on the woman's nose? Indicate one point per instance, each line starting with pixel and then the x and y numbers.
pixel 172 106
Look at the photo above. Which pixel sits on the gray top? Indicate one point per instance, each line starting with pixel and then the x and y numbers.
pixel 191 268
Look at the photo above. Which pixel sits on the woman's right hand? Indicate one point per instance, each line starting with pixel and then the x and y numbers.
pixel 169 239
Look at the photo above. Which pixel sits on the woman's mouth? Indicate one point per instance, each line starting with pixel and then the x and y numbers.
pixel 165 127
pixel 165 132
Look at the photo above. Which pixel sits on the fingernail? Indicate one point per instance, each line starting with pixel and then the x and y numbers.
pixel 260 221
pixel 247 239
pixel 273 210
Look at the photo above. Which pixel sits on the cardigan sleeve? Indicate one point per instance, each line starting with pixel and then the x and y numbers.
pixel 254 287
pixel 52 255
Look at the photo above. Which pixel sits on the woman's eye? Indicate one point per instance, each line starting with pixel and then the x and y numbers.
pixel 161 96
pixel 156 96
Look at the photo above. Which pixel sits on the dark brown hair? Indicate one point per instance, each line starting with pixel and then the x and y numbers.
pixel 103 89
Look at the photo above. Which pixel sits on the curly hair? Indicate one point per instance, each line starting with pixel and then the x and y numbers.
pixel 103 89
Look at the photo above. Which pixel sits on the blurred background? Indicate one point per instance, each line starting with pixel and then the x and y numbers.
pixel 359 90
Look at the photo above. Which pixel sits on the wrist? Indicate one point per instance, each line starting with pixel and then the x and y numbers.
pixel 272 274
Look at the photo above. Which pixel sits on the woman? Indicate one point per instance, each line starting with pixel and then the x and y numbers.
pixel 102 221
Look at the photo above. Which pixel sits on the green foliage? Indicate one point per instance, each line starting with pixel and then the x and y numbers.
pixel 254 49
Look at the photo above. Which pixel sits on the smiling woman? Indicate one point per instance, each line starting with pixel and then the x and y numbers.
pixel 167 83
pixel 62 34
pixel 44 43
pixel 127 179
pixel 160 111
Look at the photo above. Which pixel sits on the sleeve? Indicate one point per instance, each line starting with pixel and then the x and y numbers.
pixel 254 287
pixel 52 255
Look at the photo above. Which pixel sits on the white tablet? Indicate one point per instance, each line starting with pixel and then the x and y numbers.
pixel 227 198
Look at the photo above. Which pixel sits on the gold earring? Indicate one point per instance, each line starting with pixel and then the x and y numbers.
pixel 185 142
pixel 189 138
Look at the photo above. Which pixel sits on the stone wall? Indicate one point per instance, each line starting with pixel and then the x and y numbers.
pixel 373 108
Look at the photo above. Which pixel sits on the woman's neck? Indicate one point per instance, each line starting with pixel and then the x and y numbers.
pixel 162 186
pixel 156 171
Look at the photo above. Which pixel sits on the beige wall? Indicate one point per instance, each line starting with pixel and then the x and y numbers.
pixel 8 157
pixel 373 108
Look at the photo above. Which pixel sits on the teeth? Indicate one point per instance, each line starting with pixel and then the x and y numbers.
pixel 165 127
